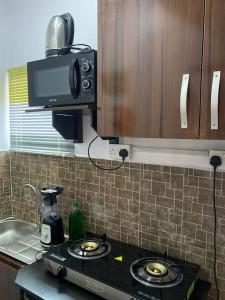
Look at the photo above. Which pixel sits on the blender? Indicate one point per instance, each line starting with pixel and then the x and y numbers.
pixel 52 232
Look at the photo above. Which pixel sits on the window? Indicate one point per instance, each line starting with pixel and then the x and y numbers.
pixel 31 132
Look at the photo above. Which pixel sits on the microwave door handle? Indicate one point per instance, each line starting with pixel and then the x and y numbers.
pixel 74 78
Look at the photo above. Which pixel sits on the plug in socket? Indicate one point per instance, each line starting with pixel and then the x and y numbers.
pixel 115 149
pixel 219 153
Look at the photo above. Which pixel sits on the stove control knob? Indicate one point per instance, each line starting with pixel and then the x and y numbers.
pixel 86 67
pixel 86 84
pixel 61 272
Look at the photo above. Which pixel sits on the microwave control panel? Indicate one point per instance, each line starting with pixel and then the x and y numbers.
pixel 88 74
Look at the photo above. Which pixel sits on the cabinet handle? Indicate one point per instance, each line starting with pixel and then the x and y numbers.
pixel 183 100
pixel 215 99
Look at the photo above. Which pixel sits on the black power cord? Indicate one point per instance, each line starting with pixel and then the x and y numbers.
pixel 215 161
pixel 123 153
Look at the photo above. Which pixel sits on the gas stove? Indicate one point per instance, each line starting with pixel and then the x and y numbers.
pixel 117 271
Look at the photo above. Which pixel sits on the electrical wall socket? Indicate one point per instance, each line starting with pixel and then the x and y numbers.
pixel 114 150
pixel 219 153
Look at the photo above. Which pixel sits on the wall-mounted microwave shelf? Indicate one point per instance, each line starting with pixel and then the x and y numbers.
pixel 61 108
pixel 68 121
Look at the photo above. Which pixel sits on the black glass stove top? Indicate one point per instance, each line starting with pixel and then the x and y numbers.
pixel 114 270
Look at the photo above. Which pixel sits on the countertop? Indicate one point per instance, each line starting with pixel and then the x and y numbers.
pixel 42 285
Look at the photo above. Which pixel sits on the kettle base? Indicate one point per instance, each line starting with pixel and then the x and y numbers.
pixel 55 52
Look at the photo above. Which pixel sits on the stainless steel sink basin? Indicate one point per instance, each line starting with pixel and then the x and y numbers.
pixel 20 239
pixel 12 230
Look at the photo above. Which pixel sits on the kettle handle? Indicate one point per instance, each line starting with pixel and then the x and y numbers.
pixel 70 29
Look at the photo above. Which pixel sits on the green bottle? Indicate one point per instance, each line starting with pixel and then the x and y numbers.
pixel 76 222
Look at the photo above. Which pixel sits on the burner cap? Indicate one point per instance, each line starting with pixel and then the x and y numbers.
pixel 156 269
pixel 89 246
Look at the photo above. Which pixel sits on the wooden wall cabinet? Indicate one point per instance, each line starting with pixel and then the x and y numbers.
pixel 144 49
pixel 213 60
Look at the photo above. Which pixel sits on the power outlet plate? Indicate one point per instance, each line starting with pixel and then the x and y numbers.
pixel 219 153
pixel 114 150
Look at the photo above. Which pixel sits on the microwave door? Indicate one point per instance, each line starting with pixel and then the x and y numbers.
pixel 74 78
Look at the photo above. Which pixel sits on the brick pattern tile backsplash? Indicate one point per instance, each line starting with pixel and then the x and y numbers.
pixel 5 186
pixel 156 207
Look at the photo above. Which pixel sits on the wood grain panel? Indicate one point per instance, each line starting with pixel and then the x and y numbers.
pixel 144 48
pixel 8 271
pixel 182 54
pixel 213 60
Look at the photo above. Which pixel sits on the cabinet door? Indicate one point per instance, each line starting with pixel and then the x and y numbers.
pixel 213 60
pixel 8 288
pixel 144 48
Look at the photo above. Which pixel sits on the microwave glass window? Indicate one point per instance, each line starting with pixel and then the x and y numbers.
pixel 51 82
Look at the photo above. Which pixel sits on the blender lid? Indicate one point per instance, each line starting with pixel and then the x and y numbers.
pixel 52 190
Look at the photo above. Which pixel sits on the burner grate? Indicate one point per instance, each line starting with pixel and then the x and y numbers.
pixel 89 248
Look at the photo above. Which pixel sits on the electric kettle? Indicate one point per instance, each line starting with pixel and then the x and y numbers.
pixel 60 34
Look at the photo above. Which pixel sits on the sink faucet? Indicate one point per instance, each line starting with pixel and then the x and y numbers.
pixel 38 214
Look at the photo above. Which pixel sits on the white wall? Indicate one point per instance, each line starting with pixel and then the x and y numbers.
pixel 26 41
pixel 4 34
pixel 4 51
pixel 29 20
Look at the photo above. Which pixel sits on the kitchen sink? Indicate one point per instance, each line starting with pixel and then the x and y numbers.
pixel 12 230
pixel 20 239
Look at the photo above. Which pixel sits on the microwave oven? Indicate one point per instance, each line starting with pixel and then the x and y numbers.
pixel 63 80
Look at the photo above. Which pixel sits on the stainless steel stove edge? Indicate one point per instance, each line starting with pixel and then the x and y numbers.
pixel 87 283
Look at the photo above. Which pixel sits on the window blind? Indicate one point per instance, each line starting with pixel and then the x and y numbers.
pixel 31 132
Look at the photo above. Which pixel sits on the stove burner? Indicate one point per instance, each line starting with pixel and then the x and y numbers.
pixel 156 269
pixel 156 272
pixel 89 248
